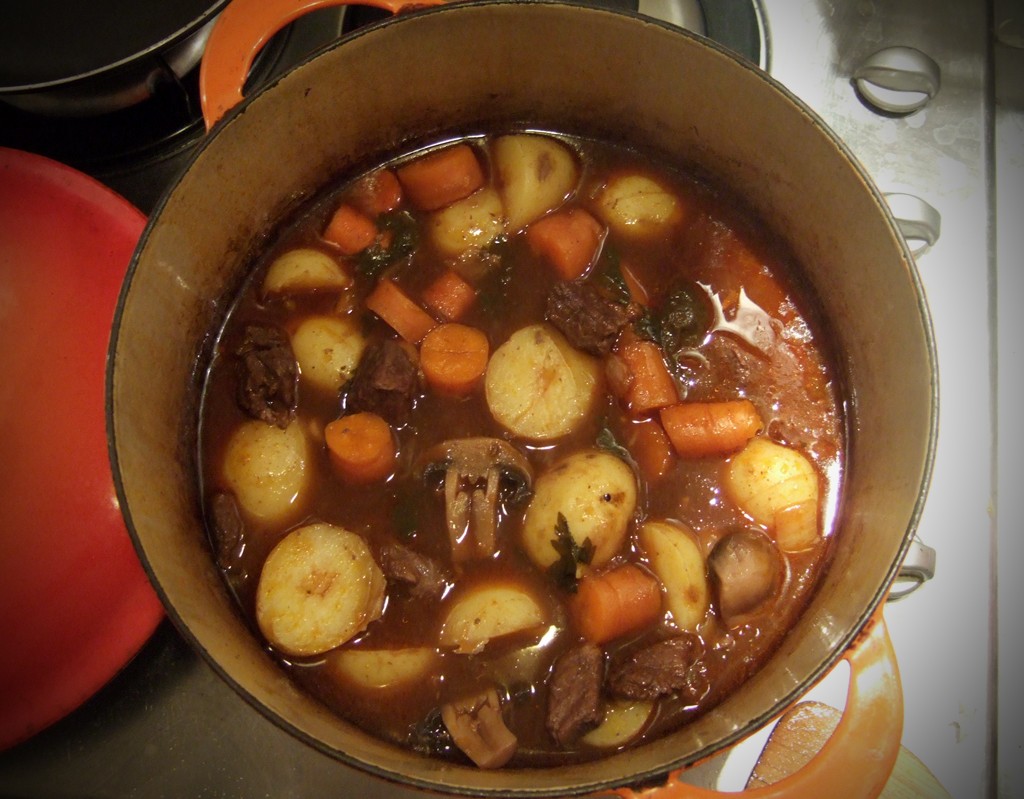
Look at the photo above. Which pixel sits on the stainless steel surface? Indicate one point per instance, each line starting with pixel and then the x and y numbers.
pixel 168 726
pixel 944 634
pixel 1008 289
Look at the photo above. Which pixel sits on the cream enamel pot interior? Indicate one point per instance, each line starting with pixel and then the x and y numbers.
pixel 478 66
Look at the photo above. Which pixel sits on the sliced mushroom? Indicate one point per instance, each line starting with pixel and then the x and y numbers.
pixel 474 470
pixel 478 729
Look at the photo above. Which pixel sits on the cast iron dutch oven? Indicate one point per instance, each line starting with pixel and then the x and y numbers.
pixel 475 66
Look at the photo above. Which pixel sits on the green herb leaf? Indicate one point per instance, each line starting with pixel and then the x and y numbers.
pixel 606 440
pixel 646 327
pixel 609 271
pixel 570 555
pixel 376 258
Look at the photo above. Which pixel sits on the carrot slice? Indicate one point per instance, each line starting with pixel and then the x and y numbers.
pixel 650 384
pixel 442 177
pixel 453 358
pixel 377 193
pixel 568 240
pixel 651 449
pixel 392 305
pixel 449 295
pixel 350 230
pixel 609 604
pixel 361 447
pixel 707 429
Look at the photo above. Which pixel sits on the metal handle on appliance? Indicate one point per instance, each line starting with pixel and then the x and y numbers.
pixel 917 220
pixel 897 79
pixel 918 567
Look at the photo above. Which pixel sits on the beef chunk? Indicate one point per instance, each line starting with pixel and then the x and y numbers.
pixel 385 383
pixel 422 575
pixel 586 316
pixel 268 384
pixel 227 530
pixel 574 693
pixel 661 668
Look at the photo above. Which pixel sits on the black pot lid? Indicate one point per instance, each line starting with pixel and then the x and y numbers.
pixel 44 44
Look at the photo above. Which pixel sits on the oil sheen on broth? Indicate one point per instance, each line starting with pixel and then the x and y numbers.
pixel 521 448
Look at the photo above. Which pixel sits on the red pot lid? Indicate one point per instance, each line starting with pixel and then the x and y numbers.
pixel 75 603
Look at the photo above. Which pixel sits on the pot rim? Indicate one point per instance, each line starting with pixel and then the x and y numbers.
pixel 648 775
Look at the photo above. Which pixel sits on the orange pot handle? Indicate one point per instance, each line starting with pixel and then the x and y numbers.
pixel 858 759
pixel 241 31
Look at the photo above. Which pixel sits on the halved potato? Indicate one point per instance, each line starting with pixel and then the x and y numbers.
pixel 328 349
pixel 624 719
pixel 471 223
pixel 539 386
pixel 778 488
pixel 488 611
pixel 305 269
pixel 595 492
pixel 677 561
pixel 378 669
pixel 636 205
pixel 534 174
pixel 319 587
pixel 266 469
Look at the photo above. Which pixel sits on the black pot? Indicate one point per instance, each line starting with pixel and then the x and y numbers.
pixel 72 59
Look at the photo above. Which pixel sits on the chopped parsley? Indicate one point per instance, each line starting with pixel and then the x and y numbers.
pixel 570 555
pixel 401 243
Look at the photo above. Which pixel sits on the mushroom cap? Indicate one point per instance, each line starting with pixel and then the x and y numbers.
pixel 474 457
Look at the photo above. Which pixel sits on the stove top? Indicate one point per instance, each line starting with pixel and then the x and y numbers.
pixel 168 726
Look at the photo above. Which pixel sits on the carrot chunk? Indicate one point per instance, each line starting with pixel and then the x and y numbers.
pixel 707 429
pixel 440 178
pixel 350 230
pixel 361 447
pixel 649 384
pixel 609 604
pixel 651 449
pixel 569 240
pixel 449 295
pixel 453 358
pixel 377 193
pixel 392 305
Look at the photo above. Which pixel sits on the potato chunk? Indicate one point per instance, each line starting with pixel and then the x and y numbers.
pixel 471 223
pixel 539 386
pixel 677 561
pixel 535 174
pixel 328 349
pixel 488 611
pixel 778 488
pixel 305 269
pixel 267 469
pixel 595 492
pixel 319 587
pixel 380 669
pixel 624 719
pixel 638 206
